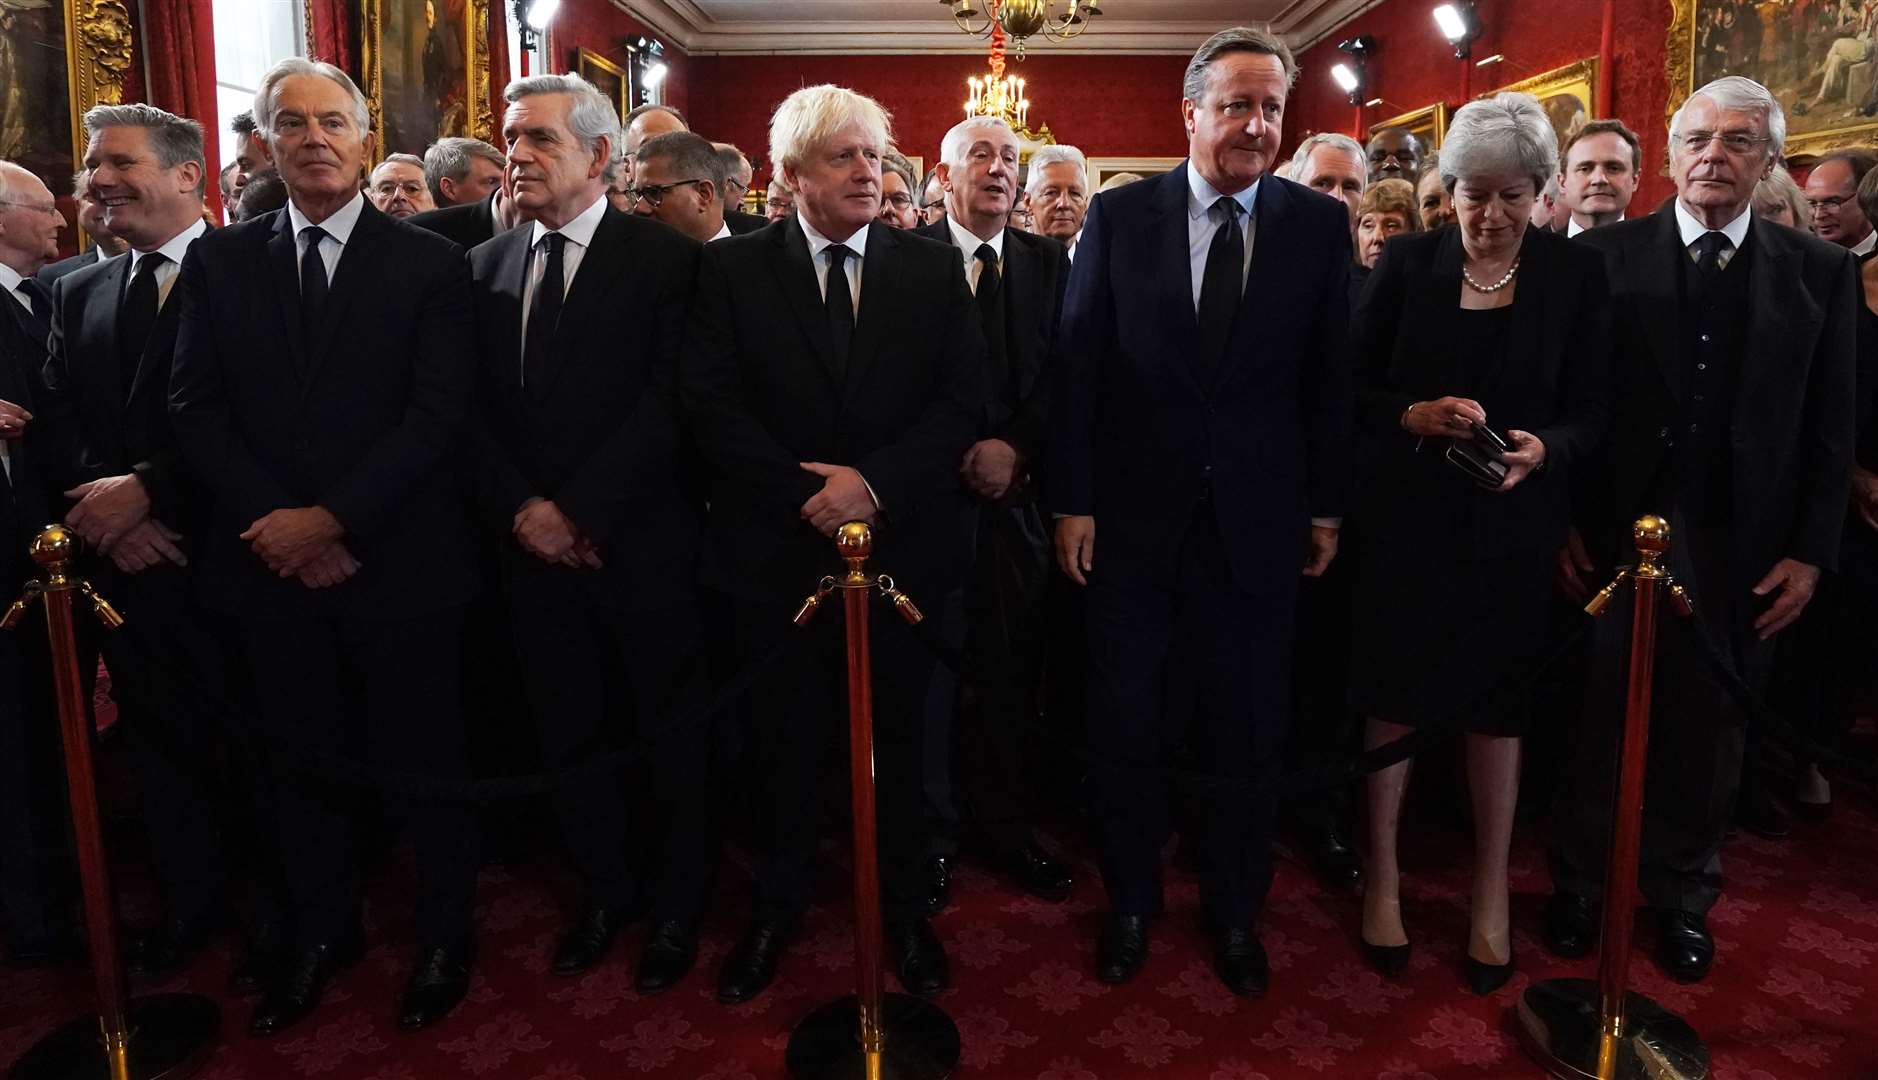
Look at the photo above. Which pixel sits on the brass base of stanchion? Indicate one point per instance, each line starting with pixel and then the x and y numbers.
pixel 1559 1027
pixel 171 1036
pixel 922 1043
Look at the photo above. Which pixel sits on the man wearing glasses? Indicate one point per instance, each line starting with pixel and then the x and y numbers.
pixel 1830 191
pixel 397 187
pixel 898 204
pixel 1395 154
pixel 678 179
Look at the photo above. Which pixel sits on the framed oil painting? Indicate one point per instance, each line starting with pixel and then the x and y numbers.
pixel 1430 125
pixel 1820 59
pixel 610 78
pixel 58 58
pixel 1566 94
pixel 1102 169
pixel 426 68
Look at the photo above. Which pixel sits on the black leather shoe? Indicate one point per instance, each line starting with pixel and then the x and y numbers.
pixel 171 947
pixel 938 883
pixel 262 957
pixel 1684 948
pixel 1333 860
pixel 1122 948
pixel 587 942
pixel 1037 873
pixel 1239 961
pixel 668 955
pixel 437 986
pixel 919 959
pixel 1391 960
pixel 297 987
pixel 1484 978
pixel 751 966
pixel 1570 925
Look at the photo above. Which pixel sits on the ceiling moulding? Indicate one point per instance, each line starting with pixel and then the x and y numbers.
pixel 683 23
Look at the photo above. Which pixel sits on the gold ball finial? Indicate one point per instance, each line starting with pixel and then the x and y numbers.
pixel 1651 534
pixel 54 544
pixel 855 540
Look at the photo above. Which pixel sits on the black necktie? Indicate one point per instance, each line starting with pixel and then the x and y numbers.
pixel 991 312
pixel 1221 286
pixel 544 313
pixel 840 304
pixel 39 301
pixel 1708 250
pixel 136 315
pixel 313 285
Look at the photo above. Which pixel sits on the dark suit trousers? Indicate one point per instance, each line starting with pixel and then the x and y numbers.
pixel 35 855
pixel 1325 724
pixel 1696 735
pixel 166 667
pixel 799 711
pixel 390 694
pixel 597 677
pixel 1236 650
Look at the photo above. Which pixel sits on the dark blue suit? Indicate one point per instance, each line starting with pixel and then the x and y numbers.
pixel 1203 490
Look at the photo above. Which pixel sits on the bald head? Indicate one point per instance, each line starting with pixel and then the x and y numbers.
pixel 29 221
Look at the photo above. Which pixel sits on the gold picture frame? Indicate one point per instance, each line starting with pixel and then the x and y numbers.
pixel 1429 124
pixel 422 114
pixel 65 57
pixel 1567 94
pixel 611 79
pixel 1797 71
pixel 1102 168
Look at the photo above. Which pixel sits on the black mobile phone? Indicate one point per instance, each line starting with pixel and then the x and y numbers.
pixel 1492 438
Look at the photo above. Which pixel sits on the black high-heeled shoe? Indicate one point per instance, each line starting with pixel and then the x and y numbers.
pixel 1391 960
pixel 1483 978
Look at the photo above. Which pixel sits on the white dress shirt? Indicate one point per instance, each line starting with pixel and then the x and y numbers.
pixel 579 233
pixel 818 248
pixel 173 251
pixel 1573 228
pixel 338 226
pixel 1201 226
pixel 723 230
pixel 1865 246
pixel 967 244
pixel 10 284
pixel 1736 231
pixel 1073 241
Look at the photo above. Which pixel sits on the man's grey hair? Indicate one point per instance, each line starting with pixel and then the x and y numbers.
pixel 1736 92
pixel 450 157
pixel 1332 139
pixel 591 117
pixel 1252 39
pixel 958 140
pixel 399 159
pixel 299 65
pixel 732 161
pixel 174 139
pixel 893 161
pixel 1506 133
pixel 1045 156
pixel 692 157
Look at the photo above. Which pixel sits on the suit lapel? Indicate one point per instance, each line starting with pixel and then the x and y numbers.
pixel 283 265
pixel 1658 277
pixel 511 276
pixel 1023 301
pixel 880 272
pixel 795 277
pixel 1167 231
pixel 1775 297
pixel 1532 333
pixel 596 288
pixel 358 265
pixel 104 297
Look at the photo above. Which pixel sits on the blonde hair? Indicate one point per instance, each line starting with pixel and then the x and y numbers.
pixel 807 119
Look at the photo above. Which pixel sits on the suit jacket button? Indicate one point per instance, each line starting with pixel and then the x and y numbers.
pixel 1663 434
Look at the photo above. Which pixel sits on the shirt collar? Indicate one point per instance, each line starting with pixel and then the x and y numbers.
pixel 1572 228
pixel 176 247
pixel 1201 195
pixel 818 243
pixel 968 241
pixel 1865 246
pixel 1692 230
pixel 723 230
pixel 580 230
pixel 338 225
pixel 9 278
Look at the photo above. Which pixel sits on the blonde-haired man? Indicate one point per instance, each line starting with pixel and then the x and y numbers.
pixel 849 394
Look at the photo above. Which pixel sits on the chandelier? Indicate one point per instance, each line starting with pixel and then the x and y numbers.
pixel 1020 19
pixel 998 94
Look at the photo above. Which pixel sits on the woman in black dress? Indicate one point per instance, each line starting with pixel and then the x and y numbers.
pixel 1498 327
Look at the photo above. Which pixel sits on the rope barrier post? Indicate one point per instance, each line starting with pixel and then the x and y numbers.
pixel 160 1037
pixel 871 1035
pixel 1577 1029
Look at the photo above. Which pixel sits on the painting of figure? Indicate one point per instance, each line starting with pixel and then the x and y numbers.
pixel 424 92
pixel 35 92
pixel 1819 57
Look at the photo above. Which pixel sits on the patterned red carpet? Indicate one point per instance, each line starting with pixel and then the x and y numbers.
pixel 1794 993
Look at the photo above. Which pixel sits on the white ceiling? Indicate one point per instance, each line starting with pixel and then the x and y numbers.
pixel 916 26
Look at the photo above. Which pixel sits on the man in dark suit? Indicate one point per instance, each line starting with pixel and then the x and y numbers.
pixel 105 407
pixel 35 861
pixel 1017 279
pixel 471 223
pixel 338 534
pixel 104 245
pixel 1734 421
pixel 678 178
pixel 580 471
pixel 1202 420
pixel 737 177
pixel 833 372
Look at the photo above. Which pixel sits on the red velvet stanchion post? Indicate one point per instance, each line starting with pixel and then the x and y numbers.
pixel 871 1035
pixel 1577 1029
pixel 160 1037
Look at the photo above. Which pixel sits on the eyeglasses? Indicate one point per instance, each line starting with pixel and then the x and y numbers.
pixel 1833 204
pixel 900 200
pixel 936 204
pixel 44 208
pixel 411 188
pixel 1735 142
pixel 654 194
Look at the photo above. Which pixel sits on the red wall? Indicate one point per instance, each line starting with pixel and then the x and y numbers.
pixel 1108 106
pixel 1414 66
pixel 598 26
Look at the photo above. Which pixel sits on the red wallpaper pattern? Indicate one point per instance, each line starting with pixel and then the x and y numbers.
pixel 598 26
pixel 1109 106
pixel 1414 67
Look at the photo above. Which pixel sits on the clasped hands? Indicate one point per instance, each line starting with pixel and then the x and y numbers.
pixel 1455 417
pixel 303 542
pixel 113 516
pixel 844 497
pixel 547 534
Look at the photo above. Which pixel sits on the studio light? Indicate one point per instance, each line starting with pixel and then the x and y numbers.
pixel 655 74
pixel 1352 77
pixel 1459 24
pixel 1346 79
pixel 541 13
